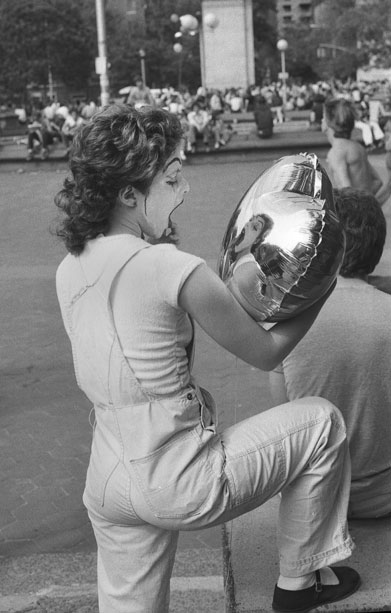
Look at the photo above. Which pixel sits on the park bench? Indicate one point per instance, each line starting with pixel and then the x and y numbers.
pixel 243 124
pixel 10 125
pixel 251 563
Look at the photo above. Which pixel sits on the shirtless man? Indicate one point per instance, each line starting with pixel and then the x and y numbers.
pixel 347 159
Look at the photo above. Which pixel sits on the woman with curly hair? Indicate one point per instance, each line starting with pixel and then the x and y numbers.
pixel 158 464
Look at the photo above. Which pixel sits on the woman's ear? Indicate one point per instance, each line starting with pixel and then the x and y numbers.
pixel 127 196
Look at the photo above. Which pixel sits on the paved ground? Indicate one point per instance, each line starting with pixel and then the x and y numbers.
pixel 47 550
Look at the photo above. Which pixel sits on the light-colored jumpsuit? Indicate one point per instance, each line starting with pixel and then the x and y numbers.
pixel 158 464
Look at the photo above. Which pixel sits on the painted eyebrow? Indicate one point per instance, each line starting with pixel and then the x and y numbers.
pixel 172 161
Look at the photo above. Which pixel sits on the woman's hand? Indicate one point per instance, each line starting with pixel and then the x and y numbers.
pixel 169 236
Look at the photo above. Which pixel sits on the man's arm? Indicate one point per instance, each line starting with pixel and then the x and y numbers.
pixel 381 191
pixel 277 386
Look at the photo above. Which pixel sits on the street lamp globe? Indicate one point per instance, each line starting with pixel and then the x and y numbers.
pixel 282 44
pixel 211 21
pixel 188 22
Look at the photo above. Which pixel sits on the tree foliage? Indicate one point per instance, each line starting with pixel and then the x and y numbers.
pixel 265 40
pixel 360 33
pixel 36 35
pixel 60 35
pixel 163 62
pixel 301 57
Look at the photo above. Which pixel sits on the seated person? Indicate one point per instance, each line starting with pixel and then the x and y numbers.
pixel 347 159
pixel 218 129
pixel 73 121
pixel 263 116
pixel 41 132
pixel 199 126
pixel 345 356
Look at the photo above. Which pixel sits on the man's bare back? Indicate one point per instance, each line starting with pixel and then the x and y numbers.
pixel 349 166
pixel 347 160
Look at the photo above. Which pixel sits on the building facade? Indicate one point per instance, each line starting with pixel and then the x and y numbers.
pixel 294 12
pixel 227 50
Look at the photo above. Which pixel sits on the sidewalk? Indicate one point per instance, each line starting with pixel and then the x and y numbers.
pixel 252 541
pixel 47 549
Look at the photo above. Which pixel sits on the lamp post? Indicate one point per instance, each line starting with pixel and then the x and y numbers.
pixel 178 48
pixel 101 60
pixel 50 83
pixel 142 55
pixel 282 46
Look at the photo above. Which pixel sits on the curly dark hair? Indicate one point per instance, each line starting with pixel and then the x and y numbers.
pixel 120 147
pixel 364 224
pixel 340 115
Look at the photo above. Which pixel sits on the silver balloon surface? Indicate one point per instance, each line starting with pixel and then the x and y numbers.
pixel 284 244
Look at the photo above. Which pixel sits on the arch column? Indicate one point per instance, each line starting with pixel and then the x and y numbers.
pixel 227 51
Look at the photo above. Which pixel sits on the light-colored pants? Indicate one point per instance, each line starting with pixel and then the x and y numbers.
pixel 204 133
pixel 366 131
pixel 299 449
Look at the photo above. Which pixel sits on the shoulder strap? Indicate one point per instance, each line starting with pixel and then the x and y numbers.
pixel 100 263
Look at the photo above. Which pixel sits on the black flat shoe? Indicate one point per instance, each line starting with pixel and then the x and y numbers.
pixel 301 601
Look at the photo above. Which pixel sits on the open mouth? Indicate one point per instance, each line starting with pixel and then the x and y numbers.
pixel 169 235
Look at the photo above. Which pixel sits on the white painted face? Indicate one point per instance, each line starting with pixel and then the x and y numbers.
pixel 166 192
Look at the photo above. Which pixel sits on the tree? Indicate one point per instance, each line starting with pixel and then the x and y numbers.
pixel 265 40
pixel 160 38
pixel 301 57
pixel 361 29
pixel 36 35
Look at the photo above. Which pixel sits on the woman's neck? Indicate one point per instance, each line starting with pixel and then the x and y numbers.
pixel 124 221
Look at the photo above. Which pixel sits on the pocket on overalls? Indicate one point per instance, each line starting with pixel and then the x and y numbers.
pixel 176 480
pixel 208 415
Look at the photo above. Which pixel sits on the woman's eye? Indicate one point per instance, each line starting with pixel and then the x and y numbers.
pixel 173 182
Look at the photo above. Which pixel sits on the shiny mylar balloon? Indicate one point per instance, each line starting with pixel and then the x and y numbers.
pixel 284 243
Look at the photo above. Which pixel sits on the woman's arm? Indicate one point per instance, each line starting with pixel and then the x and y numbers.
pixel 205 297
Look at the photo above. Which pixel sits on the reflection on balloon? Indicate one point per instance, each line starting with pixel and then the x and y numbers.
pixel 284 244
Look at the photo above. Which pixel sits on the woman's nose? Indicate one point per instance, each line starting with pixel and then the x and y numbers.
pixel 186 186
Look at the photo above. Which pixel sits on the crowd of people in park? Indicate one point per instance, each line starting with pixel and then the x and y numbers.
pixel 270 105
pixel 55 122
pixel 206 114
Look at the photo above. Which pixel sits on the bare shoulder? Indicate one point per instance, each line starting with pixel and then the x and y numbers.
pixel 339 150
pixel 354 151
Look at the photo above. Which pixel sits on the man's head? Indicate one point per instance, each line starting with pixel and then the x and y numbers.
pixel 340 116
pixel 365 229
